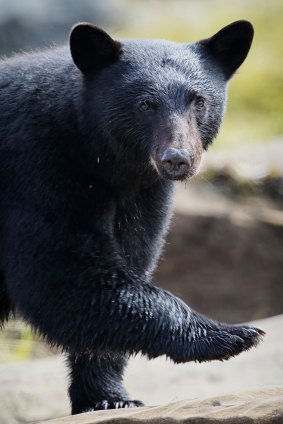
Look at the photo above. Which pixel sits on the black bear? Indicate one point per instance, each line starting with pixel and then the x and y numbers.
pixel 92 140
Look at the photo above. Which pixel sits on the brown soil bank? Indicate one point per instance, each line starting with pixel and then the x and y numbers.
pixel 224 257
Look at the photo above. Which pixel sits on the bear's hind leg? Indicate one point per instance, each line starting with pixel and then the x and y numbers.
pixel 6 307
pixel 96 382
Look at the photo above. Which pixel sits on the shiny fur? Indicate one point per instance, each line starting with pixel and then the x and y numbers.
pixel 85 203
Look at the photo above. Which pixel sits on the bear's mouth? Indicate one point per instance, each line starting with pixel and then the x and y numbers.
pixel 174 175
pixel 169 170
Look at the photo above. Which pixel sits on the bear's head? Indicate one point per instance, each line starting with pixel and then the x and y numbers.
pixel 154 106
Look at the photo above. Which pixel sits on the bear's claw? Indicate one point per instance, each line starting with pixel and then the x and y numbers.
pixel 211 340
pixel 108 404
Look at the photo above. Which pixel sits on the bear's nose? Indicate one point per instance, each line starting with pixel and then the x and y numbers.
pixel 175 159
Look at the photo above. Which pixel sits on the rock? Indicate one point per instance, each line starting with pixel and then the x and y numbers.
pixel 262 406
pixel 37 390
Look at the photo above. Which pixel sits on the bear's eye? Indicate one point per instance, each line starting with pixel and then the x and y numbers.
pixel 199 103
pixel 146 105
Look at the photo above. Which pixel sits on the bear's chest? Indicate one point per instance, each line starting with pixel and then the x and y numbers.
pixel 140 225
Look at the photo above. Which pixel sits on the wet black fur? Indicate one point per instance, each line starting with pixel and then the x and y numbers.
pixel 83 214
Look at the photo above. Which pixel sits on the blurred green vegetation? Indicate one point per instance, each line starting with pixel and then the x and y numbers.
pixel 255 106
pixel 19 343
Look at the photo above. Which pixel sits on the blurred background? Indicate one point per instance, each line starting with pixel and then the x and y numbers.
pixel 224 250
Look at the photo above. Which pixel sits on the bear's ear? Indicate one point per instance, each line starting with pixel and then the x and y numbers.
pixel 92 48
pixel 231 45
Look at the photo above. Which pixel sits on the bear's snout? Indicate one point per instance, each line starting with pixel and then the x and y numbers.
pixel 175 163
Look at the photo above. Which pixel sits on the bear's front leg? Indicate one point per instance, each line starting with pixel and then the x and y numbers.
pixel 96 382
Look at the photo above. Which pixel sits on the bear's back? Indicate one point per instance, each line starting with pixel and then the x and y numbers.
pixel 31 75
pixel 31 88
